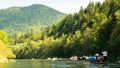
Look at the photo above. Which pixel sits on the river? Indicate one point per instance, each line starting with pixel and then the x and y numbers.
pixel 38 63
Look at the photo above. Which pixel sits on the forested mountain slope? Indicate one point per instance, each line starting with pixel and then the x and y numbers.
pixel 87 32
pixel 21 19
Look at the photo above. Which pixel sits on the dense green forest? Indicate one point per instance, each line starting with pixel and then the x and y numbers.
pixel 89 31
pixel 22 19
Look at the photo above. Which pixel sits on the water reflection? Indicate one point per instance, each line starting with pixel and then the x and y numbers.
pixel 92 65
pixel 54 64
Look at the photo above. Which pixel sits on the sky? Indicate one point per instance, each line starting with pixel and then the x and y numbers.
pixel 65 6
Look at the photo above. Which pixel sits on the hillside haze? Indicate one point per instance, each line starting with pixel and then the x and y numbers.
pixel 22 19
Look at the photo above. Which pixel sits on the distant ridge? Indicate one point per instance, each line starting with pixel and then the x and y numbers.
pixel 21 19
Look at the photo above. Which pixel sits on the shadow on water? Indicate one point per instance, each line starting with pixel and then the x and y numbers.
pixel 54 64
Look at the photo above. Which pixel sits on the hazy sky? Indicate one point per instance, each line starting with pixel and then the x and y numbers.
pixel 65 6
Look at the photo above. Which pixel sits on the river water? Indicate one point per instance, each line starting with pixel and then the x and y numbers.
pixel 38 63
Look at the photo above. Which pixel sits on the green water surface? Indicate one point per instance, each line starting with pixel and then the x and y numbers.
pixel 38 63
